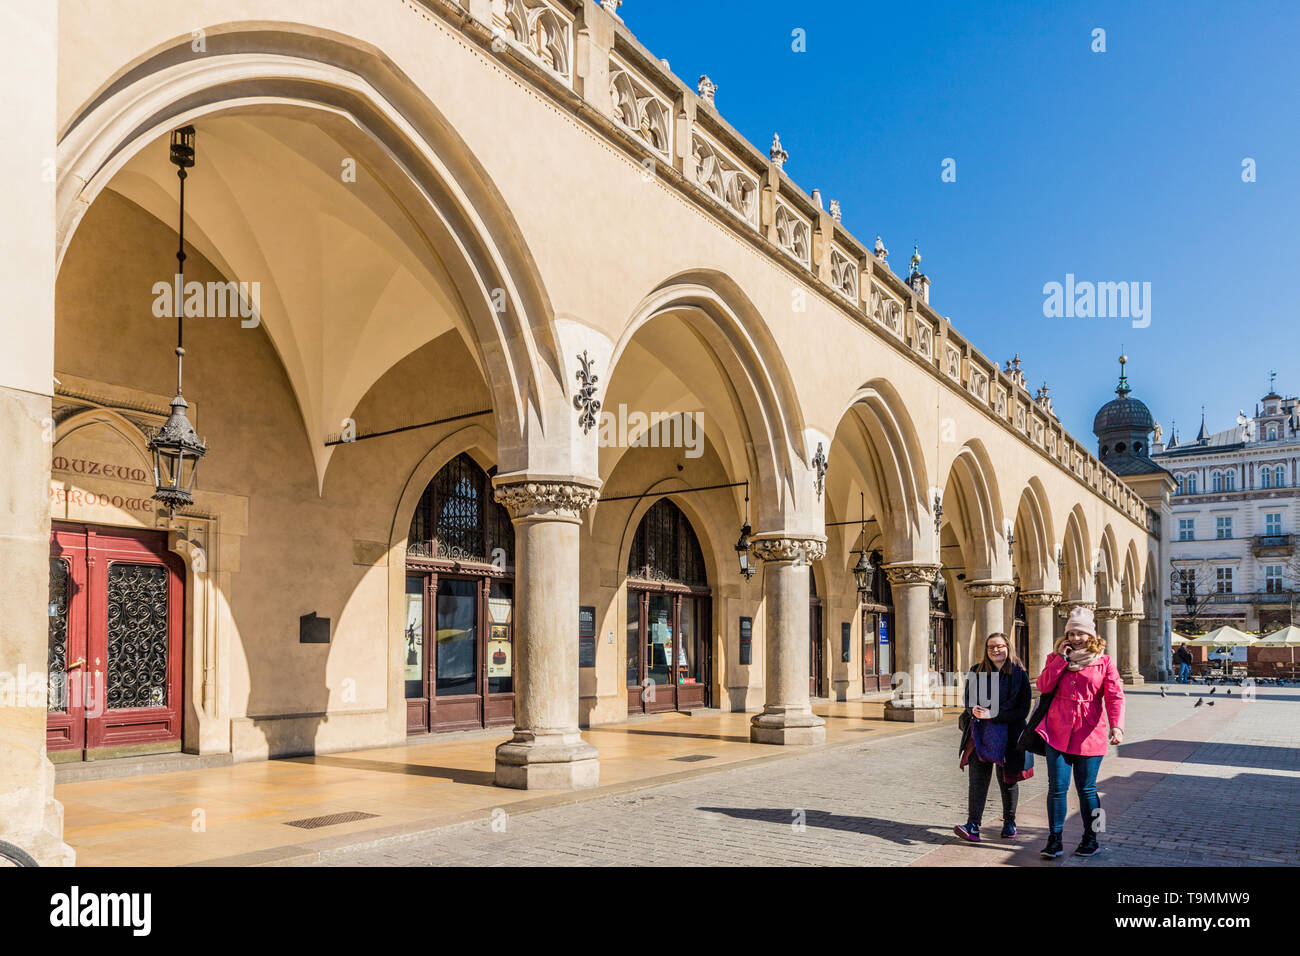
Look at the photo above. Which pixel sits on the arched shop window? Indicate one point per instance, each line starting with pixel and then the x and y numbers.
pixel 459 628
pixel 877 630
pixel 665 548
pixel 458 520
pixel 669 615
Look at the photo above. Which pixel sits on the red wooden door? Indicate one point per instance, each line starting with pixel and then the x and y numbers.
pixel 65 722
pixel 123 646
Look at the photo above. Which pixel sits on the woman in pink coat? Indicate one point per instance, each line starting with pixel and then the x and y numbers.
pixel 1085 682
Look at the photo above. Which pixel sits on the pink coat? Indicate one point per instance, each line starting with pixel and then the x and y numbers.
pixel 1073 722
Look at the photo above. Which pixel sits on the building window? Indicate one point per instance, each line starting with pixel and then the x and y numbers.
pixel 1223 527
pixel 1191 484
pixel 1223 580
pixel 1272 433
pixel 1266 478
pixel 1229 481
pixel 1186 529
pixel 1216 481
pixel 1187 582
pixel 1180 484
pixel 1273 523
pixel 1273 579
pixel 1279 477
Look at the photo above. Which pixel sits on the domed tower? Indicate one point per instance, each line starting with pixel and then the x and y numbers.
pixel 1123 428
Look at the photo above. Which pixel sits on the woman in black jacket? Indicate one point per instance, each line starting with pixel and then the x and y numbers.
pixel 998 699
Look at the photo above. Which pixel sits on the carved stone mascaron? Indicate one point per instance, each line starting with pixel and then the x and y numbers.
pixel 900 574
pixel 558 499
pixel 789 548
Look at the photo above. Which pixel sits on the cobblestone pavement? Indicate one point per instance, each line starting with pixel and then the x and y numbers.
pixel 1213 786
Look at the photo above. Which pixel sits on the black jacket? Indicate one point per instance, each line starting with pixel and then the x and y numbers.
pixel 1014 698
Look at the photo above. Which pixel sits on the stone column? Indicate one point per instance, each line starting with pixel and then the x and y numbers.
pixel 1130 641
pixel 990 610
pixel 30 817
pixel 1108 627
pixel 1040 607
pixel 547 752
pixel 913 699
pixel 787 716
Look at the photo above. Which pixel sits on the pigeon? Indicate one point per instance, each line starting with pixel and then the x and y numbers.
pixel 1229 691
pixel 1162 692
pixel 1211 703
pixel 1199 702
pixel 1213 689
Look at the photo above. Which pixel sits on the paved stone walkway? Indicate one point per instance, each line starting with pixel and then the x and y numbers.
pixel 1214 785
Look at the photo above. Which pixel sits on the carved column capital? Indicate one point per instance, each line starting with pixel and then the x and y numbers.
pixel 1130 617
pixel 556 499
pixel 900 574
pixel 991 589
pixel 773 547
pixel 1107 613
pixel 1040 598
pixel 1067 606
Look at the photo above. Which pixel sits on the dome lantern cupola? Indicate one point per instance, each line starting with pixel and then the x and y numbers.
pixel 1123 428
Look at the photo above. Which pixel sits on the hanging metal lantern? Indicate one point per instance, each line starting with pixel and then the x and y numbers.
pixel 744 553
pixel 176 448
pixel 865 573
pixel 744 549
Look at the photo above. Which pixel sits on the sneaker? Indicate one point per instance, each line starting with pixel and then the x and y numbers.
pixel 1089 846
pixel 1008 829
pixel 970 832
pixel 1053 848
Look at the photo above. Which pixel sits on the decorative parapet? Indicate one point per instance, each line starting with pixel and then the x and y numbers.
pixel 640 109
pixel 793 233
pixel 844 273
pixel 647 103
pixel 539 28
pixel 923 338
pixel 886 310
pixel 725 178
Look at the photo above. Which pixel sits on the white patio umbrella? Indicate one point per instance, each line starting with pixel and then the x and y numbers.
pixel 1288 636
pixel 1178 639
pixel 1226 636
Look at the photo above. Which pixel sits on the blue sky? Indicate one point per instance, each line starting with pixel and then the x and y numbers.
pixel 1117 166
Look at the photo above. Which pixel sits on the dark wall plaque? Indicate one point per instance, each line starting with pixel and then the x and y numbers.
pixel 313 629
pixel 586 636
pixel 746 640
pixel 846 642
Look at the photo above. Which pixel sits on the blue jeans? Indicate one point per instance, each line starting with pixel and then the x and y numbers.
pixel 1059 767
pixel 1184 672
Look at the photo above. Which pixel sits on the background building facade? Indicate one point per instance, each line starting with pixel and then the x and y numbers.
pixel 1233 517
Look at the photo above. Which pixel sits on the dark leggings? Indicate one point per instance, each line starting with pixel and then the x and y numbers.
pixel 978 791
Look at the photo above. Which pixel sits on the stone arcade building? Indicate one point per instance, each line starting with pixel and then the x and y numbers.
pixel 488 214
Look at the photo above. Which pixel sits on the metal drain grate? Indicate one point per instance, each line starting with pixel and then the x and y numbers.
pixel 329 820
pixel 692 758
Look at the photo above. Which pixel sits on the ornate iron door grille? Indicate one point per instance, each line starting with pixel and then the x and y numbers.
pixel 137 636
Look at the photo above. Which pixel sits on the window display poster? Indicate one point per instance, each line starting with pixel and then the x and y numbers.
pixel 414 637
pixel 499 651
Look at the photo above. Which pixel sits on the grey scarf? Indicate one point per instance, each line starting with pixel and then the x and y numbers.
pixel 1081 658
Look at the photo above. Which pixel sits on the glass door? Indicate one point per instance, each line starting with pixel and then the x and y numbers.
pixel 694 652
